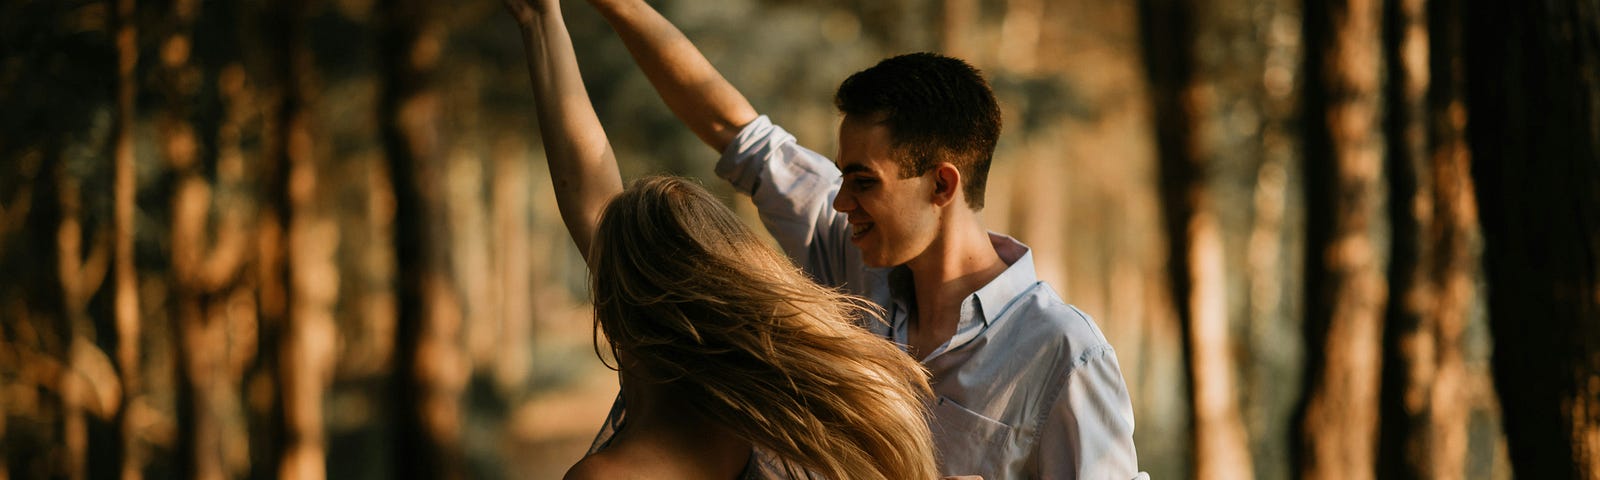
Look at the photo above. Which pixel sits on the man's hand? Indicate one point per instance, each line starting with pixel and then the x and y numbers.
pixel 528 11
pixel 686 81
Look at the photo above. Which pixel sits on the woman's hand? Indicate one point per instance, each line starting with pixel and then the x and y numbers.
pixel 528 11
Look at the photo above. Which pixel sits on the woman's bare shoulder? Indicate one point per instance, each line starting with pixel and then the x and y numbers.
pixel 592 467
pixel 601 466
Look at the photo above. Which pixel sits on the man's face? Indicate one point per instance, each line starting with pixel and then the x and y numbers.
pixel 892 220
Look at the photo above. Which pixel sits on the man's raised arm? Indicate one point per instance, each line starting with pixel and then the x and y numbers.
pixel 691 87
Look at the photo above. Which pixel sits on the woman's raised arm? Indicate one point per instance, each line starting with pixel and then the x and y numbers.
pixel 583 167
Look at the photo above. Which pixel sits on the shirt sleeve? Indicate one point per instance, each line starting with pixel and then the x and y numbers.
pixel 793 190
pixel 1089 432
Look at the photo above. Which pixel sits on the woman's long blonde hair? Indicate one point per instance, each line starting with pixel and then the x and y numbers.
pixel 699 304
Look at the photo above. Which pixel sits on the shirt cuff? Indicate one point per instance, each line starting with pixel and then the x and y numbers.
pixel 742 159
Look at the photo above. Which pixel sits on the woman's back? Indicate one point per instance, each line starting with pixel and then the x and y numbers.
pixel 652 453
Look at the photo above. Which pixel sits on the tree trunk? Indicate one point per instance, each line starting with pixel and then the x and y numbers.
pixel 199 430
pixel 267 424
pixel 1533 89
pixel 426 409
pixel 954 38
pixel 1346 288
pixel 76 275
pixel 306 334
pixel 513 267
pixel 1426 398
pixel 1194 238
pixel 125 307
pixel 1020 34
pixel 85 380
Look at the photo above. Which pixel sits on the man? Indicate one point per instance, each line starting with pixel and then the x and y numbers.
pixel 1027 385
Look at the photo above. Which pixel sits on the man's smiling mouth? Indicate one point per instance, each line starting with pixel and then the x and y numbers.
pixel 858 230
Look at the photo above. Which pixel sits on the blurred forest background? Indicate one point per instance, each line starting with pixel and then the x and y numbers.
pixel 305 239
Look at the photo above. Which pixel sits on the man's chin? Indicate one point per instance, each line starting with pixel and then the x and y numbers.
pixel 878 260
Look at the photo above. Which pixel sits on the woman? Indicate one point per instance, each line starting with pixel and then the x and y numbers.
pixel 723 346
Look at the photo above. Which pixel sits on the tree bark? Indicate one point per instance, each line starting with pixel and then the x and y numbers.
pixel 305 330
pixel 956 16
pixel 80 274
pixel 268 426
pixel 426 409
pixel 1346 289
pixel 1194 238
pixel 1425 395
pixel 125 307
pixel 1533 90
pixel 82 376
pixel 199 430
pixel 1020 34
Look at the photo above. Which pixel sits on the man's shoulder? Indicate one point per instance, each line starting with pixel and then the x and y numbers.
pixel 1043 316
pixel 1044 309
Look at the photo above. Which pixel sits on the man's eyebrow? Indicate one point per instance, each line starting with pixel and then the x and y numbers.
pixel 854 168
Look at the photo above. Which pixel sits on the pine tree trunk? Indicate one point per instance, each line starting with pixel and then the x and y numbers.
pixel 306 333
pixel 199 429
pixel 1346 288
pixel 1020 34
pixel 125 306
pixel 1533 92
pixel 269 428
pixel 1426 398
pixel 69 265
pixel 426 410
pixel 1194 238
pixel 954 37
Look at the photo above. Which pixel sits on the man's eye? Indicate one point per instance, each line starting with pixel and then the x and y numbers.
pixel 864 183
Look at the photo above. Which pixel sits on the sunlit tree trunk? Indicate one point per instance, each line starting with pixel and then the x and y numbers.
pixel 513 266
pixel 1533 92
pixel 1426 396
pixel 426 412
pixel 1020 34
pixel 1195 254
pixel 1346 288
pixel 269 428
pixel 73 424
pixel 957 16
pixel 83 388
pixel 306 334
pixel 191 197
pixel 125 302
pixel 207 274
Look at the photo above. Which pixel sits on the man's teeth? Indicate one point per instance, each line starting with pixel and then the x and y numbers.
pixel 860 228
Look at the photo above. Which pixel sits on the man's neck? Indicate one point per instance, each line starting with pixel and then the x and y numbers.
pixel 961 261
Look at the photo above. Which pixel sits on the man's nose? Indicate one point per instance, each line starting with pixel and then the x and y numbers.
pixel 844 201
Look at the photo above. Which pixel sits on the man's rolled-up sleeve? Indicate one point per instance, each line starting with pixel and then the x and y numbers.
pixel 1089 432
pixel 793 189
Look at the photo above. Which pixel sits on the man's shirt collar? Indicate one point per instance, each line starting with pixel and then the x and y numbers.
pixel 982 308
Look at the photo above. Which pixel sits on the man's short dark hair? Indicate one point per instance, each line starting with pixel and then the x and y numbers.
pixel 937 108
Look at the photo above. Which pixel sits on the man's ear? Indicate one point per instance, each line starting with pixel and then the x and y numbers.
pixel 946 183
